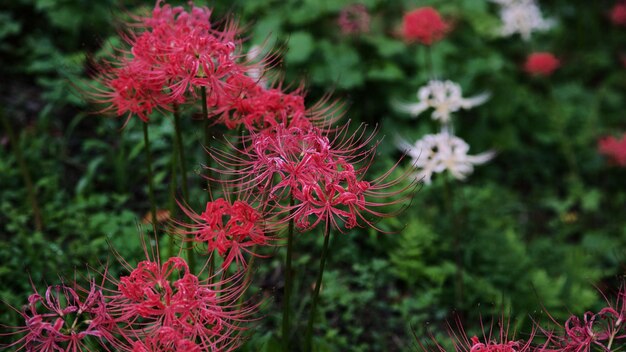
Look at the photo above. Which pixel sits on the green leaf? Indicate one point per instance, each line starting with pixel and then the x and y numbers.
pixel 300 47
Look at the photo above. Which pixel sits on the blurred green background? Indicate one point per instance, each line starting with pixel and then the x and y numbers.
pixel 542 225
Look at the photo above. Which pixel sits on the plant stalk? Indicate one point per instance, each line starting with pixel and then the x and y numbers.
pixel 316 293
pixel 146 140
pixel 172 205
pixel 288 283
pixel 28 181
pixel 456 245
pixel 183 175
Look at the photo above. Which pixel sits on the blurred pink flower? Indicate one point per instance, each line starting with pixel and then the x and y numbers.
pixel 354 19
pixel 424 25
pixel 541 64
pixel 614 149
pixel 618 14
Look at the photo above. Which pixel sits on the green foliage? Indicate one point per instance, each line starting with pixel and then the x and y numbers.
pixel 536 228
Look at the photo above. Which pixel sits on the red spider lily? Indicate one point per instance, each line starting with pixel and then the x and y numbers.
pixel 424 25
pixel 354 19
pixel 129 92
pixel 167 340
pixel 65 318
pixel 490 342
pixel 602 329
pixel 321 172
pixel 172 54
pixel 618 14
pixel 614 149
pixel 249 104
pixel 184 51
pixel 230 228
pixel 541 64
pixel 164 305
pixel 155 296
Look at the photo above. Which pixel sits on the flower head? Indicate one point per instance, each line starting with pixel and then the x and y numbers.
pixel 66 318
pixel 161 306
pixel 541 64
pixel 318 172
pixel 603 330
pixel 354 19
pixel 614 149
pixel 436 153
pixel 490 341
pixel 246 102
pixel 424 25
pixel 445 97
pixel 230 228
pixel 618 14
pixel 523 17
pixel 172 54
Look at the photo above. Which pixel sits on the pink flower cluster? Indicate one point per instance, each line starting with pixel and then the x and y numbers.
pixel 424 25
pixel 354 19
pixel 257 108
pixel 165 304
pixel 319 172
pixel 541 64
pixel 172 54
pixel 614 149
pixel 65 318
pixel 603 330
pixel 157 307
pixel 231 229
pixel 618 14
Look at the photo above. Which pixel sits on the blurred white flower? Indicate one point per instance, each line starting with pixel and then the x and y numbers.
pixel 256 71
pixel 523 17
pixel 443 96
pixel 435 153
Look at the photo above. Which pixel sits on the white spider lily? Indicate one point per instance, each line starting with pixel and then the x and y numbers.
pixel 436 153
pixel 256 73
pixel 523 17
pixel 444 97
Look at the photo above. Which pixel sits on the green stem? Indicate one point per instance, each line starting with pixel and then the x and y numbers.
pixel 172 205
pixel 429 61
pixel 207 138
pixel 30 188
pixel 181 153
pixel 288 284
pixel 183 175
pixel 456 245
pixel 316 293
pixel 146 140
